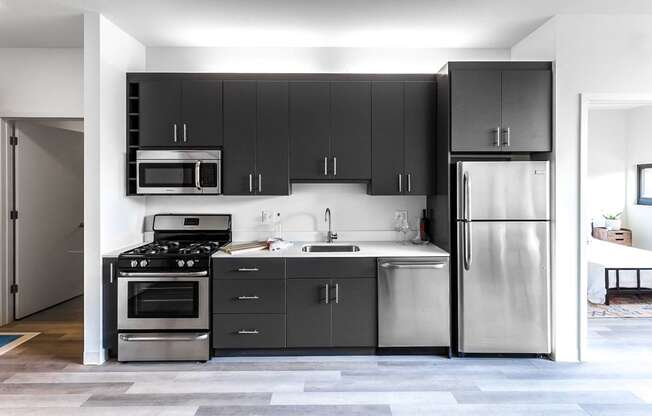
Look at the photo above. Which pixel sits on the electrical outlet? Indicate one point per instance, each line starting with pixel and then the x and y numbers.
pixel 266 217
pixel 401 215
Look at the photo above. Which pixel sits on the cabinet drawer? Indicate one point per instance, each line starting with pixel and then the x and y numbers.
pixel 331 267
pixel 249 296
pixel 248 331
pixel 249 268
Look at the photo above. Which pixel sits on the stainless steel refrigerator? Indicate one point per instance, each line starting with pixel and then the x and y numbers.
pixel 503 237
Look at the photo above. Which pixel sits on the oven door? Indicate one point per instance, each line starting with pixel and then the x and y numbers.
pixel 152 302
pixel 178 177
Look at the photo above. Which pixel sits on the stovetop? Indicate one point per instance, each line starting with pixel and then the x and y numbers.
pixel 175 248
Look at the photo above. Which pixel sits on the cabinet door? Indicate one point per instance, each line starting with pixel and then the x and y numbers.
pixel 160 112
pixel 110 306
pixel 354 312
pixel 239 137
pixel 201 111
pixel 308 313
pixel 351 130
pixel 309 130
pixel 273 142
pixel 387 138
pixel 475 110
pixel 419 136
pixel 527 111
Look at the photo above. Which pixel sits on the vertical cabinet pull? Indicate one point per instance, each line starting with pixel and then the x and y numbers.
pixel 251 183
pixel 111 272
pixel 337 293
pixel 507 136
pixel 326 300
pixel 497 136
pixel 175 132
pixel 325 166
pixel 185 133
pixel 409 182
pixel 260 182
pixel 334 166
pixel 400 183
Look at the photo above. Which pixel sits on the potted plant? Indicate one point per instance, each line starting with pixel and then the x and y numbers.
pixel 612 221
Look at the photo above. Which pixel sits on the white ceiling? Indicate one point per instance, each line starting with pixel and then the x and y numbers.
pixel 336 23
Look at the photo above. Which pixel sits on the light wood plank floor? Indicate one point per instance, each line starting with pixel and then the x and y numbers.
pixel 45 377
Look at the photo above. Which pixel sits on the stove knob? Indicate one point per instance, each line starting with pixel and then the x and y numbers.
pixel 134 263
pixel 143 263
pixel 190 263
pixel 181 263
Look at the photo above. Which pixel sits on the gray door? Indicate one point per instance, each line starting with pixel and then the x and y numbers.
pixel 504 297
pixel 419 136
pixel 387 117
pixel 308 313
pixel 201 111
pixel 515 190
pixel 160 112
pixel 273 139
pixel 239 137
pixel 354 312
pixel 475 110
pixel 527 111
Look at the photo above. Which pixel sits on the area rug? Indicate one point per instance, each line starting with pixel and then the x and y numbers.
pixel 10 340
pixel 623 306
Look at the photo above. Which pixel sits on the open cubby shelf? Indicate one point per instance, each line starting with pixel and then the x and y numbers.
pixel 133 133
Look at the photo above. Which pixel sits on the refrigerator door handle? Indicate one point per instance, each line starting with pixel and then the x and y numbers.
pixel 468 253
pixel 466 199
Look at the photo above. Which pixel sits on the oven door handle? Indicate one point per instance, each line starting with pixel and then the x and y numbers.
pixel 164 274
pixel 136 338
pixel 197 175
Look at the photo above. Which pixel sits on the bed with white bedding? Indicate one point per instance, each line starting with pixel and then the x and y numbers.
pixel 617 268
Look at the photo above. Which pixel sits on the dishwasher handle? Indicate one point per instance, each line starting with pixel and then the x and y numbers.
pixel 434 265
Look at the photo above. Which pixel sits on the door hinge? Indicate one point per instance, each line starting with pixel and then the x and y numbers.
pixel 14 288
pixel 13 140
pixel 13 215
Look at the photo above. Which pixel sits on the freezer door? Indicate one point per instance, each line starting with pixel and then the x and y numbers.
pixel 503 190
pixel 504 287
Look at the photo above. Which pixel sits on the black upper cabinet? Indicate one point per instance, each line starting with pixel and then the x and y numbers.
pixel 402 134
pixel 309 130
pixel 201 113
pixel 500 107
pixel 160 112
pixel 256 134
pixel 350 130
pixel 175 112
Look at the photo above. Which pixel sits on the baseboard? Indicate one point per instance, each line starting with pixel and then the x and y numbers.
pixel 95 357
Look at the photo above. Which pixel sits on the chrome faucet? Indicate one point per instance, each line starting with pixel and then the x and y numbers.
pixel 331 235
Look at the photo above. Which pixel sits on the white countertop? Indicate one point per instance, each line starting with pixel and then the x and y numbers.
pixel 367 249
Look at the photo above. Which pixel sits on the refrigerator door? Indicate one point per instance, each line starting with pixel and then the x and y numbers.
pixel 504 287
pixel 518 190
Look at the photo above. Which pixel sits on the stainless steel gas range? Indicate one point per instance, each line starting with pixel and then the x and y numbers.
pixel 164 289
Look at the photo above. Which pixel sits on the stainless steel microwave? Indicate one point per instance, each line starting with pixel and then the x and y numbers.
pixel 193 172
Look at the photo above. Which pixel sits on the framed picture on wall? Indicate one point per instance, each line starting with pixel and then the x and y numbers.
pixel 644 175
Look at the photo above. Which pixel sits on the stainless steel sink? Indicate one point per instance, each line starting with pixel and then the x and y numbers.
pixel 330 248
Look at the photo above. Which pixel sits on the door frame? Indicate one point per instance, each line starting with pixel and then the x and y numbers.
pixel 592 101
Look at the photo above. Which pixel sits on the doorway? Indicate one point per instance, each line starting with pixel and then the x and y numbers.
pixel 615 237
pixel 45 204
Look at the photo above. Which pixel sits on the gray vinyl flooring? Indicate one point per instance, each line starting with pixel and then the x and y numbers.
pixel 44 377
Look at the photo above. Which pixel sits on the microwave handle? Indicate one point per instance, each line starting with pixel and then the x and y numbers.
pixel 197 174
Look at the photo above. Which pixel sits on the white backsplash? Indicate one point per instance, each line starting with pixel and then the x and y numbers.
pixel 356 216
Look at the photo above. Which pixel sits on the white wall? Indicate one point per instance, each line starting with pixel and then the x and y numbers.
pixel 593 54
pixel 326 60
pixel 639 151
pixel 607 164
pixel 110 218
pixel 37 82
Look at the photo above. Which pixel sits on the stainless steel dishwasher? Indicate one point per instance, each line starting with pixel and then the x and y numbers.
pixel 413 302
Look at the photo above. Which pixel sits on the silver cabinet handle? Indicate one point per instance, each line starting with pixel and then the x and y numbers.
pixel 507 137
pixel 260 182
pixel 248 269
pixel 337 293
pixel 409 180
pixel 253 297
pixel 497 136
pixel 326 297
pixel 325 166
pixel 175 132
pixel 111 272
pixel 185 133
pixel 128 338
pixel 197 175
pixel 400 183
pixel 248 332
pixel 251 184
pixel 437 265
pixel 334 166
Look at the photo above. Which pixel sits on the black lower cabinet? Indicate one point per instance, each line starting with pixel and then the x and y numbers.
pixel 309 314
pixel 110 302
pixel 354 313
pixel 249 331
